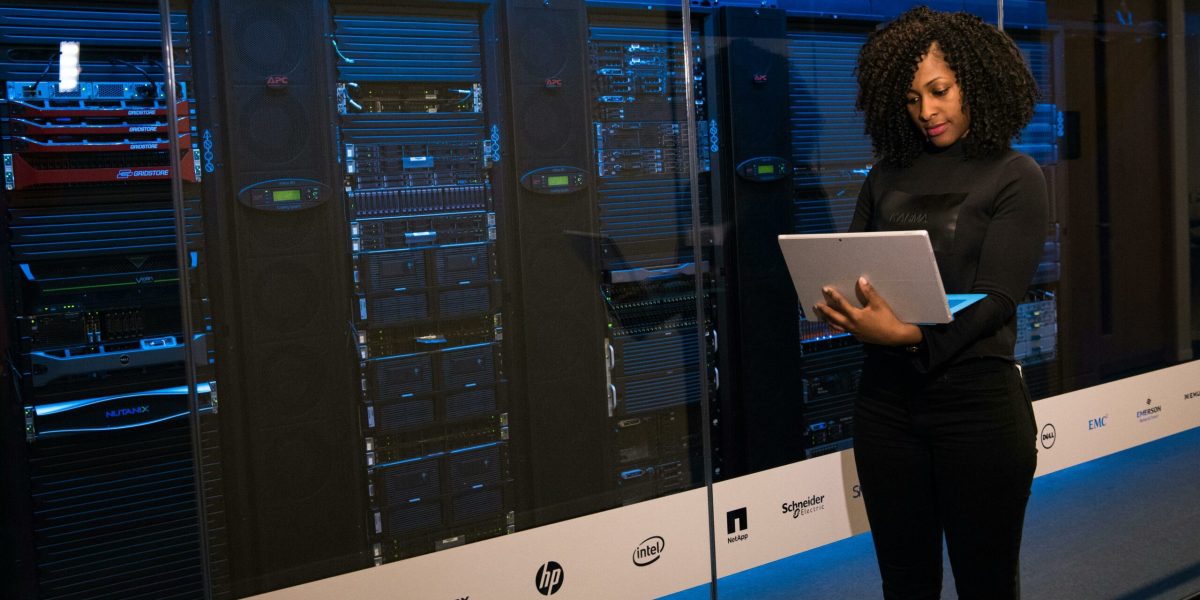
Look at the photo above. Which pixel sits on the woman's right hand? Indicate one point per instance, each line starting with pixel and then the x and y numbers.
pixel 874 323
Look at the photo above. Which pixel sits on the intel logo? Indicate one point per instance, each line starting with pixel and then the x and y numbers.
pixel 648 551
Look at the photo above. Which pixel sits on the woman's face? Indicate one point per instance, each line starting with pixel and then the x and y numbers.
pixel 934 101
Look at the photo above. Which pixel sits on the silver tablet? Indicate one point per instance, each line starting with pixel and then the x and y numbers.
pixel 900 264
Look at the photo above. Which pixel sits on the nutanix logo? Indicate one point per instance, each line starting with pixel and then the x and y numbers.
pixel 737 521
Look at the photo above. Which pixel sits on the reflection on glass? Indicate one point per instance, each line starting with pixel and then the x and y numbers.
pixel 99 491
pixel 467 306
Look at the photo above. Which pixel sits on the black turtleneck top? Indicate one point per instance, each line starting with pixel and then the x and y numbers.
pixel 986 219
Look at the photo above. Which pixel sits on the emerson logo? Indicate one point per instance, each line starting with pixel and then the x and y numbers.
pixel 1149 413
pixel 737 521
pixel 1047 437
pixel 807 506
pixel 549 578
pixel 1097 423
pixel 649 551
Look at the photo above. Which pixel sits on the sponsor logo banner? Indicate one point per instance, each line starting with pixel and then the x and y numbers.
pixel 618 553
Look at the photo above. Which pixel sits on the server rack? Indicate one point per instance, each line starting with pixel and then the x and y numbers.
pixel 95 425
pixel 657 345
pixel 418 159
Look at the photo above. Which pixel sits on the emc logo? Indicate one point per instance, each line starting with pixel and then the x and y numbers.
pixel 1097 423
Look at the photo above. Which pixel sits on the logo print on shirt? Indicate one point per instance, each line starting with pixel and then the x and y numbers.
pixel 935 213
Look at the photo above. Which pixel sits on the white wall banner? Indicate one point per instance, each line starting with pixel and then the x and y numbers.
pixel 766 516
pixel 644 550
pixel 1087 424
pixel 659 547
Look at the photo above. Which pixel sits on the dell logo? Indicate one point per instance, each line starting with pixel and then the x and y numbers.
pixel 649 551
pixel 549 578
pixel 1047 437
pixel 1097 423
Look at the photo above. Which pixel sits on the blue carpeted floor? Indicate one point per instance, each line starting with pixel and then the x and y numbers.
pixel 1123 527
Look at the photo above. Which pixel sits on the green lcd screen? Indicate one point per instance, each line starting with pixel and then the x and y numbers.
pixel 555 180
pixel 285 195
pixel 766 169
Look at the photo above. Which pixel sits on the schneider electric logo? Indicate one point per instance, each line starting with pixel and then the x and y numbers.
pixel 1150 412
pixel 1048 435
pixel 736 522
pixel 549 578
pixel 807 506
pixel 649 551
pixel 1097 423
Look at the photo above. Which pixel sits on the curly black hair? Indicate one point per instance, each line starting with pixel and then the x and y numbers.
pixel 998 91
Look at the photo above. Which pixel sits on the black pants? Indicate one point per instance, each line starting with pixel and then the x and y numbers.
pixel 951 453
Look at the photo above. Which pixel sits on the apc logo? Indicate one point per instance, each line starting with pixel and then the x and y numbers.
pixel 549 578
pixel 735 521
pixel 648 551
pixel 1097 423
pixel 1047 437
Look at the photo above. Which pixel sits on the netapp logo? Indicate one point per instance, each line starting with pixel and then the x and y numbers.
pixel 1097 423
pixel 807 506
pixel 549 578
pixel 1047 437
pixel 735 521
pixel 1149 413
pixel 126 412
pixel 649 550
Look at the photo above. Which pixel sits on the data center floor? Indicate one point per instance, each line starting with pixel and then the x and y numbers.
pixel 1123 527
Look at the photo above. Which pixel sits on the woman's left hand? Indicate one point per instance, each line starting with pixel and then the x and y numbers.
pixel 874 323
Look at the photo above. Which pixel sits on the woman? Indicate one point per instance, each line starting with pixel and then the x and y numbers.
pixel 944 429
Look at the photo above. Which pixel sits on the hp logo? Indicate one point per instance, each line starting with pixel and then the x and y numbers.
pixel 549 578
